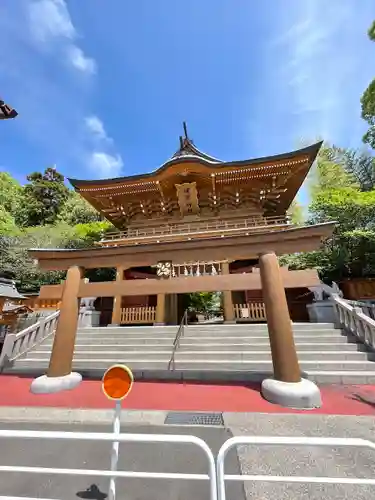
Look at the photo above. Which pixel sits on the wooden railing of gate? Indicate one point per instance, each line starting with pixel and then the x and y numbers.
pixel 253 311
pixel 133 315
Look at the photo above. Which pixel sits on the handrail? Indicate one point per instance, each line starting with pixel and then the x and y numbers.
pixel 354 321
pixel 176 342
pixel 200 227
pixel 286 441
pixel 367 308
pixel 17 344
pixel 103 437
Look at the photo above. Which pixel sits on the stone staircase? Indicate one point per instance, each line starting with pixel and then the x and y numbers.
pixel 210 352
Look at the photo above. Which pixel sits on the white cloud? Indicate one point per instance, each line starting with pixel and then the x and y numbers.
pixel 312 73
pixel 51 25
pixel 96 127
pixel 78 59
pixel 324 66
pixel 105 165
pixel 102 162
pixel 50 19
pixel 51 101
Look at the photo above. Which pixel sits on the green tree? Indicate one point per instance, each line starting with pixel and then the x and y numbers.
pixel 368 102
pixel 295 213
pixel 10 193
pixel 206 303
pixel 43 198
pixel 360 164
pixel 76 210
pixel 16 262
pixel 339 193
pixel 7 222
pixel 350 207
pixel 329 172
pixel 350 252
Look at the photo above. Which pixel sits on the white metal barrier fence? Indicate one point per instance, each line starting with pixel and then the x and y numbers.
pixel 216 473
pixel 286 441
pixel 115 438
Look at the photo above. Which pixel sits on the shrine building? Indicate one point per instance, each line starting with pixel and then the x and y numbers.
pixel 195 224
pixel 195 217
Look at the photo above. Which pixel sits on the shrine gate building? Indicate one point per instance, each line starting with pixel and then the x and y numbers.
pixel 195 224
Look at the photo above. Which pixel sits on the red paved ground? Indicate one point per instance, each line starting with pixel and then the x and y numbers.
pixel 337 400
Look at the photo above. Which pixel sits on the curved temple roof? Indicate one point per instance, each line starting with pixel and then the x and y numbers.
pixel 189 153
pixel 266 185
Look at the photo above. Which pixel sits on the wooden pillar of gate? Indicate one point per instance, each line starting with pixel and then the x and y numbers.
pixel 160 315
pixel 173 306
pixel 64 342
pixel 117 300
pixel 283 349
pixel 228 307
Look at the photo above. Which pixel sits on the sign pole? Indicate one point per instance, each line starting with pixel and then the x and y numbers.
pixel 115 449
pixel 117 382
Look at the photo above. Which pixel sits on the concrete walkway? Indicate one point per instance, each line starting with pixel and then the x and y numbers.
pixel 256 460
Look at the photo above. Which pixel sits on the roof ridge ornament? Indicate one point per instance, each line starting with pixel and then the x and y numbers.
pixel 186 133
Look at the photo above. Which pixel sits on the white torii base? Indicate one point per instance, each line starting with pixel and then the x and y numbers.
pixel 51 385
pixel 303 395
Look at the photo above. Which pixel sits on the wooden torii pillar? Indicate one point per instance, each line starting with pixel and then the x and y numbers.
pixel 60 376
pixel 287 387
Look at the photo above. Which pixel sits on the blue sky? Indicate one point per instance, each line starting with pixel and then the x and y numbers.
pixel 102 87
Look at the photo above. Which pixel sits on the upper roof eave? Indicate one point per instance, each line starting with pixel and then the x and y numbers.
pixel 311 150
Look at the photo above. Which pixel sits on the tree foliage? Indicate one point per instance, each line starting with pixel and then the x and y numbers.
pixel 329 172
pixel 43 214
pixel 207 303
pixel 7 222
pixel 368 102
pixel 295 213
pixel 76 210
pixel 42 198
pixel 10 193
pixel 340 194
pixel 360 164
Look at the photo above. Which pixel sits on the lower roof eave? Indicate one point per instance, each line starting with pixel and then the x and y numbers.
pixel 231 247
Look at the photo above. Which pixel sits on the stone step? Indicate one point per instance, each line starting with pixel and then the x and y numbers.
pixel 172 330
pixel 125 335
pixel 197 334
pixel 254 355
pixel 99 363
pixel 341 377
pixel 118 341
pixel 112 347
pixel 123 354
pixel 236 333
pixel 159 372
pixel 258 326
pixel 151 330
pixel 259 365
pixel 266 365
pixel 334 336
pixel 264 344
pixel 208 355
pixel 213 346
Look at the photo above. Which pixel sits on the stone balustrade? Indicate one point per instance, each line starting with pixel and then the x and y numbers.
pixel 355 322
pixel 17 344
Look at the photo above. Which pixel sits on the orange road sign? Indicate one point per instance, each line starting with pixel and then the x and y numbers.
pixel 117 382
